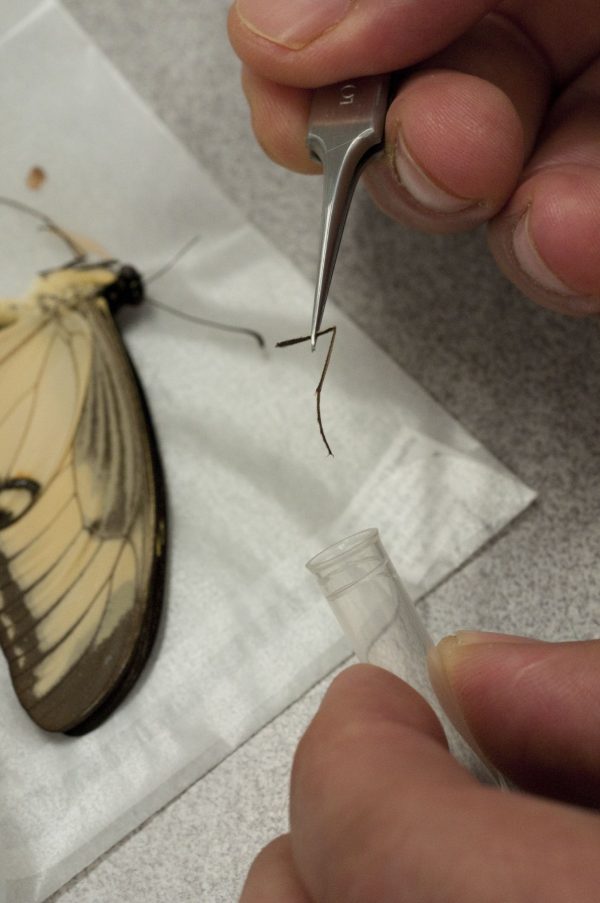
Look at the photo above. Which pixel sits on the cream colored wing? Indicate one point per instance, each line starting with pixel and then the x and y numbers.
pixel 81 516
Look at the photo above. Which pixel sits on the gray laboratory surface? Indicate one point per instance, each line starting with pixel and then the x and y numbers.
pixel 524 381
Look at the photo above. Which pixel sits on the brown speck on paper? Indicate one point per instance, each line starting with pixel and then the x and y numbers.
pixel 35 178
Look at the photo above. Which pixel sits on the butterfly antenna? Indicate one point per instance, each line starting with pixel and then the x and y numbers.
pixel 202 321
pixel 171 263
pixel 46 222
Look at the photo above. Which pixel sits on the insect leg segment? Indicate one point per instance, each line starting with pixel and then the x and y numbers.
pixel 287 343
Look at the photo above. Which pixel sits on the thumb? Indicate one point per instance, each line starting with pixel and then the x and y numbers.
pixel 532 708
pixel 308 43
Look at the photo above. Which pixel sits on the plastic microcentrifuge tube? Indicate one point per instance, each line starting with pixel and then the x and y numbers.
pixel 375 612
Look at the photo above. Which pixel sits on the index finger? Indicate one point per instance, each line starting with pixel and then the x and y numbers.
pixel 308 43
pixel 380 812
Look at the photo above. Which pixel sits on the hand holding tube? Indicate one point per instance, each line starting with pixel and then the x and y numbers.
pixel 378 617
pixel 380 812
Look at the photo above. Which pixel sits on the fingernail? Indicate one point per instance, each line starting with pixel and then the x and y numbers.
pixel 438 659
pixel 530 261
pixel 471 637
pixel 422 188
pixel 443 660
pixel 292 25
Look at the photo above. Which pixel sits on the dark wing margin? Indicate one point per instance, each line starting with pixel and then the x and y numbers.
pixel 154 581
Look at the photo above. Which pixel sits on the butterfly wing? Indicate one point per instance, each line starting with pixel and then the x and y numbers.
pixel 82 516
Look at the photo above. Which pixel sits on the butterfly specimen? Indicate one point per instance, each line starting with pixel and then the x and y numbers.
pixel 82 497
pixel 82 501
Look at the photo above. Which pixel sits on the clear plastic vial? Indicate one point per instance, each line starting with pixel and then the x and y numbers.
pixel 375 612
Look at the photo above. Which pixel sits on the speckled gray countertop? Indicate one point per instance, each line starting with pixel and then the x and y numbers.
pixel 524 381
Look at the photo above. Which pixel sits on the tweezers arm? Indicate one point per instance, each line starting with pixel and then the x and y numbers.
pixel 346 126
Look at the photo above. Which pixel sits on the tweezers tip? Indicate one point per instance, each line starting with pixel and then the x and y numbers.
pixel 315 325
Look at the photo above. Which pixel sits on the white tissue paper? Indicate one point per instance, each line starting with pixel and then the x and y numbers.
pixel 252 492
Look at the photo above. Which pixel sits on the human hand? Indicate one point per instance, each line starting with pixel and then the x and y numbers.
pixel 499 122
pixel 381 813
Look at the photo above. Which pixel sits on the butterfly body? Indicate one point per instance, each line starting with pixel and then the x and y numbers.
pixel 82 501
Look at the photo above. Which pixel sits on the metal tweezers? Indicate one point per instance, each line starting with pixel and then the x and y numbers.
pixel 346 127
